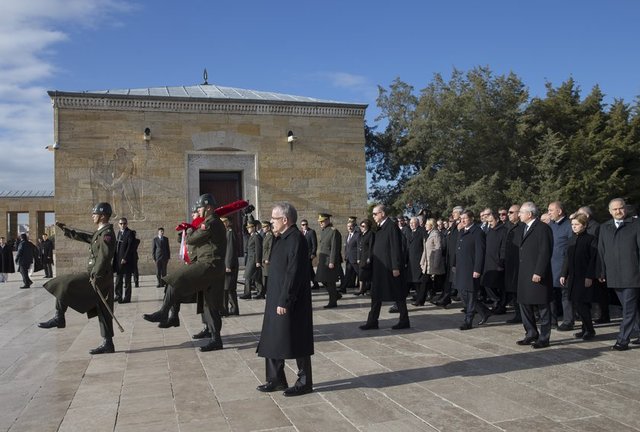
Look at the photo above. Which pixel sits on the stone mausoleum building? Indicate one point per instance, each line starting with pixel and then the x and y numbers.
pixel 151 152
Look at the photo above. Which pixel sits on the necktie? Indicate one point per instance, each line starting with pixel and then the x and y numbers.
pixel 349 238
pixel 618 223
pixel 526 228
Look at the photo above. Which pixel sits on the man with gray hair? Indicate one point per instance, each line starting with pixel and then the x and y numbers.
pixel 450 245
pixel 535 282
pixel 561 302
pixel 619 249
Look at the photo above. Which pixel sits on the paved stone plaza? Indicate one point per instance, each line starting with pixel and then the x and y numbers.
pixel 430 377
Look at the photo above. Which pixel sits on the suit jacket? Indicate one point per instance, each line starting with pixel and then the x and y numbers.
pixel 535 258
pixel 561 235
pixel 124 250
pixel 312 242
pixel 387 256
pixel 619 251
pixel 351 247
pixel 46 251
pixel 365 250
pixel 160 249
pixel 469 258
pixel 450 244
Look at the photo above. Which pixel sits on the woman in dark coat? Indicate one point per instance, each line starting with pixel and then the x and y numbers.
pixel 365 247
pixel 578 273
pixel 6 260
pixel 24 259
pixel 287 326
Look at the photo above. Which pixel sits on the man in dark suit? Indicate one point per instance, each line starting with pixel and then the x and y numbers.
pixel 287 326
pixel 312 244
pixel 469 262
pixel 619 250
pixel 46 255
pixel 24 259
pixel 387 265
pixel 511 262
pixel 123 261
pixel 602 293
pixel 561 301
pixel 535 282
pixel 161 254
pixel 351 254
pixel 450 244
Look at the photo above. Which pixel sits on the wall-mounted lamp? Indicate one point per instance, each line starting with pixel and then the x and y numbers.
pixel 147 134
pixel 53 147
pixel 291 138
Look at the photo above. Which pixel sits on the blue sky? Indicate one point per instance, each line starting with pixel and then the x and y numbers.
pixel 339 50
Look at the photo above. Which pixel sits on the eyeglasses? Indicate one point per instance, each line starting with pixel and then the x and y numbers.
pixel 304 224
pixel 276 218
pixel 375 213
pixel 502 214
pixel 512 212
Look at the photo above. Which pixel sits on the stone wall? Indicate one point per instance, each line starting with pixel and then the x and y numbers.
pixel 102 156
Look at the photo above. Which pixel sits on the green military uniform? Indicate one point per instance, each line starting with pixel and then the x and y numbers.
pixel 266 254
pixel 329 252
pixel 75 290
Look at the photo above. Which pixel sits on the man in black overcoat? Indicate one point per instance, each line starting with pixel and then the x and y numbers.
pixel 24 259
pixel 619 250
pixel 511 262
pixel 351 254
pixel 535 281
pixel 450 242
pixel 46 255
pixel 6 260
pixel 469 262
pixel 312 243
pixel 415 247
pixel 387 266
pixel 123 261
pixel 161 254
pixel 287 327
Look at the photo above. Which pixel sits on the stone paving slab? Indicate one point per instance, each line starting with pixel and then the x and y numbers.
pixel 431 377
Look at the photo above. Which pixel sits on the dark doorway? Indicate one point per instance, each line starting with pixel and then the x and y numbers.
pixel 226 187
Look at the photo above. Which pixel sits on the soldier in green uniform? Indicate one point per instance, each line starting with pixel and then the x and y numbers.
pixel 78 290
pixel 329 258
pixel 267 241
pixel 204 276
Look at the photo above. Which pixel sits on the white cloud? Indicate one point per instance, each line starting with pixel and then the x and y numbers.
pixel 358 84
pixel 28 30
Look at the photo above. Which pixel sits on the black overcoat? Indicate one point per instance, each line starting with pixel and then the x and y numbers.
pixel 469 258
pixel 511 254
pixel 365 249
pixel 619 251
pixel 493 272
pixel 46 251
pixel 535 258
pixel 387 256
pixel 450 243
pixel 415 247
pixel 580 264
pixel 6 259
pixel 290 335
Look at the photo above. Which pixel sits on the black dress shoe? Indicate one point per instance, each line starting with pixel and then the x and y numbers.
pixel 588 335
pixel 442 304
pixel 297 391
pixel 330 306
pixel 159 286
pixel 415 303
pixel 339 295
pixel 25 286
pixel 258 296
pixel 484 319
pixel 58 322
pixel 401 325
pixel 106 348
pixel 499 311
pixel 466 326
pixel 269 387
pixel 369 326
pixel 579 335
pixel 528 340
pixel 565 327
pixel 211 346
pixel 173 321
pixel 620 347
pixel 124 301
pixel 155 317
pixel 117 299
pixel 394 309
pixel 203 334
pixel 602 320
pixel 538 344
pixel 245 297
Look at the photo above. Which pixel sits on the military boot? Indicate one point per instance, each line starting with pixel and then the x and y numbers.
pixel 214 345
pixel 57 321
pixel 106 347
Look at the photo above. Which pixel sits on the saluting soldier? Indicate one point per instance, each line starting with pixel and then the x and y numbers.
pixel 78 290
pixel 329 258
pixel 204 276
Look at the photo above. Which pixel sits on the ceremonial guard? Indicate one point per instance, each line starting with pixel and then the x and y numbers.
pixel 82 291
pixel 204 276
pixel 267 241
pixel 253 264
pixel 231 271
pixel 329 258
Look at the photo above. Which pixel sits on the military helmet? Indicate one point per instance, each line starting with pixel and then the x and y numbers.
pixel 205 200
pixel 194 208
pixel 103 208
